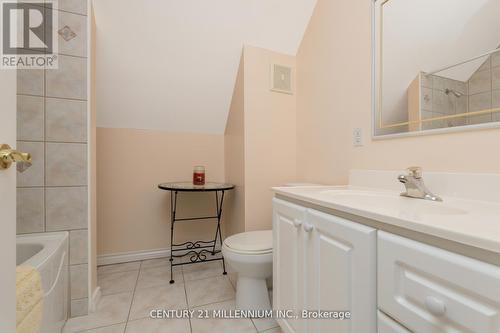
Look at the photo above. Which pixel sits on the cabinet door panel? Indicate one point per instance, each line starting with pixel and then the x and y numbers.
pixel 287 261
pixel 341 273
pixel 429 289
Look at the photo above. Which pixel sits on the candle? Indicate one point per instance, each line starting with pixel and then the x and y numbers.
pixel 199 175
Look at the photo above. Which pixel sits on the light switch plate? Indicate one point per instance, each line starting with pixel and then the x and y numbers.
pixel 357 137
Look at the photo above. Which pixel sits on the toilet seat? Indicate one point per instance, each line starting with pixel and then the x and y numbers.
pixel 251 242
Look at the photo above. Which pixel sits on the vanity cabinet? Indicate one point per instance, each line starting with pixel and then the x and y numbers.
pixel 288 267
pixel 428 289
pixel 323 262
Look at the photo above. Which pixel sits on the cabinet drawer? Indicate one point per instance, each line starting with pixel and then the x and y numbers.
pixel 387 325
pixel 428 289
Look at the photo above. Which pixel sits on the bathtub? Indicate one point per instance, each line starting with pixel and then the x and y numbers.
pixel 48 252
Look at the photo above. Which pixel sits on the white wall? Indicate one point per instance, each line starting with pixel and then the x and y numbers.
pixel 171 65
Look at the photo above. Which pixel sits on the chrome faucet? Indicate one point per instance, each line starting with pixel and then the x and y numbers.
pixel 415 187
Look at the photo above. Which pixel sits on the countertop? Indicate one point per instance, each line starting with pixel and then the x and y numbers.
pixel 470 222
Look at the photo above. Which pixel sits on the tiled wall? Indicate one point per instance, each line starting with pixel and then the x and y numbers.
pixel 481 92
pixel 484 90
pixel 52 126
pixel 436 103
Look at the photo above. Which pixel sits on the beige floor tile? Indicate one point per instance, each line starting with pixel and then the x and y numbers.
pixel 165 297
pixel 221 325
pixel 158 326
pixel 127 266
pixel 120 328
pixel 112 309
pixel 202 270
pixel 157 276
pixel 233 277
pixel 263 324
pixel 274 330
pixel 159 262
pixel 114 283
pixel 211 290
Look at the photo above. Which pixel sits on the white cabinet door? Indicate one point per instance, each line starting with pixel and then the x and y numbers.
pixel 340 273
pixel 287 262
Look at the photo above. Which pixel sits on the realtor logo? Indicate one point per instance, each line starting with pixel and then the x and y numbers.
pixel 28 36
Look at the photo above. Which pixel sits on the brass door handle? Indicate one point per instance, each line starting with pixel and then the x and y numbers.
pixel 9 156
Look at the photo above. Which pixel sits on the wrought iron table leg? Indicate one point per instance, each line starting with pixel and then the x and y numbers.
pixel 173 208
pixel 219 215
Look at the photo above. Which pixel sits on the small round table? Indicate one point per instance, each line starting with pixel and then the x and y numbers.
pixel 197 250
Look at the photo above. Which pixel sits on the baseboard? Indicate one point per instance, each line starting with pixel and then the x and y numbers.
pixel 96 297
pixel 118 258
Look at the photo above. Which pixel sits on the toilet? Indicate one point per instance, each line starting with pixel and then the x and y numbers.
pixel 250 254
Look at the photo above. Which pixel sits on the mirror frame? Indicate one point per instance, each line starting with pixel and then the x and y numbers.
pixel 376 90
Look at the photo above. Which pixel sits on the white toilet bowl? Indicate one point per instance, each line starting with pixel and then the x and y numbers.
pixel 250 254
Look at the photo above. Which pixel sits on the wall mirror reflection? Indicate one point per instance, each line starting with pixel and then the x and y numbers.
pixel 437 65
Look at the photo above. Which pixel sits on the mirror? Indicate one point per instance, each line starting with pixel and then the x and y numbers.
pixel 436 65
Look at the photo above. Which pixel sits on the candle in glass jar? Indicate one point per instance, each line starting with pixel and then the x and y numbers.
pixel 199 175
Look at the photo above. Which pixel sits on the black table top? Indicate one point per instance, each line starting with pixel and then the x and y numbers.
pixel 189 187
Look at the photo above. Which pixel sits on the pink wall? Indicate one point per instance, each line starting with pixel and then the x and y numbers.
pixel 259 140
pixel 234 157
pixel 132 213
pixel 334 96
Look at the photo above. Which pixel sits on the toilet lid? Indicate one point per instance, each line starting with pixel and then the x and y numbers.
pixel 251 241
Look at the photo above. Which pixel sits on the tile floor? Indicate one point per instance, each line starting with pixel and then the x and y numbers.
pixel 131 290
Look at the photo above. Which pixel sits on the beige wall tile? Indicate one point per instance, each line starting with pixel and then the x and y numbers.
pixel 66 164
pixel 79 307
pixel 34 175
pixel 30 111
pixel 66 208
pixel 440 83
pixel 426 100
pixel 442 103
pixel 496 104
pixel 69 80
pixel 30 210
pixel 482 119
pixel 462 104
pixel 426 80
pixel 495 79
pixel 479 102
pixel 66 120
pixel 495 59
pixel 496 99
pixel 480 82
pixel 30 82
pixel 486 65
pixel 461 87
pixel 426 114
pixel 73 6
pixel 75 45
pixel 78 247
pixel 79 281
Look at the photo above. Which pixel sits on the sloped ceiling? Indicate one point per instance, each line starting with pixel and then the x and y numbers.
pixel 172 64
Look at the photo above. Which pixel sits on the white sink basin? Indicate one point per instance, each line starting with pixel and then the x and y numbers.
pixel 372 200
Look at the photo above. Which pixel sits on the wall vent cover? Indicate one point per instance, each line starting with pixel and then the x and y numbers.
pixel 281 79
